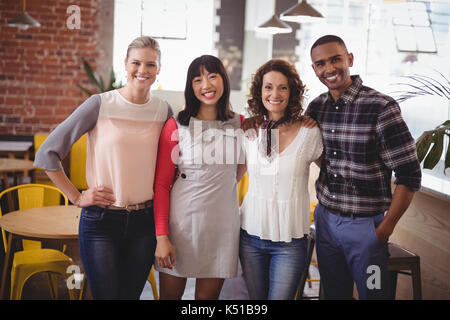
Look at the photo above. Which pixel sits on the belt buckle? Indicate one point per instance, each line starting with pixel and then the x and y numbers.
pixel 131 207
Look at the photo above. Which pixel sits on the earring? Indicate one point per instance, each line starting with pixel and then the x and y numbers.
pixel 158 84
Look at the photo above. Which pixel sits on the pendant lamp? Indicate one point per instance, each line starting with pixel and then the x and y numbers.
pixel 274 26
pixel 302 12
pixel 24 20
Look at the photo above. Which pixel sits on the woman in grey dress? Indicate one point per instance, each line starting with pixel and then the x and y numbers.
pixel 198 218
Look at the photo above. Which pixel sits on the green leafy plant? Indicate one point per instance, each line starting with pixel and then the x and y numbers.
pixel 97 81
pixel 420 85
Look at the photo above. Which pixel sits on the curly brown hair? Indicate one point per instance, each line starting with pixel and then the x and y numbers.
pixel 296 89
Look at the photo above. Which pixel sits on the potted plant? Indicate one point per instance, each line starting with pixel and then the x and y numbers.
pixel 420 85
pixel 97 81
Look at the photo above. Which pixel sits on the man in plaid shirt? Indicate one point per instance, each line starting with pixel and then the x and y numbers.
pixel 365 139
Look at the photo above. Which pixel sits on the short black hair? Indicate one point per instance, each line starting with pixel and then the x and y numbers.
pixel 192 104
pixel 327 39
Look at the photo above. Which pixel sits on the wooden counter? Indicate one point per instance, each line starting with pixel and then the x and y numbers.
pixel 425 230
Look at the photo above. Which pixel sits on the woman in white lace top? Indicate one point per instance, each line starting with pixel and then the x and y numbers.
pixel 275 211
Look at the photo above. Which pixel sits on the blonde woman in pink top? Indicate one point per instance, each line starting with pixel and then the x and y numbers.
pixel 117 229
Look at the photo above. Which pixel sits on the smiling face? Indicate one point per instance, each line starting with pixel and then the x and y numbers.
pixel 142 66
pixel 331 63
pixel 275 94
pixel 208 87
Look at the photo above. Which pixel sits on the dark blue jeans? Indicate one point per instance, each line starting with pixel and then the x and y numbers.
pixel 117 250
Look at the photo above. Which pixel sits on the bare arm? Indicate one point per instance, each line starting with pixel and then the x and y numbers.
pixel 93 196
pixel 318 162
pixel 164 253
pixel 241 170
pixel 60 179
pixel 401 200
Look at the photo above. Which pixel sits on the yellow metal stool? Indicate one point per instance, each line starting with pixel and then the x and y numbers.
pixel 152 281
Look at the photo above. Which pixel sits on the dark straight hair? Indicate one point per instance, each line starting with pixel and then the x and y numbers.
pixel 192 104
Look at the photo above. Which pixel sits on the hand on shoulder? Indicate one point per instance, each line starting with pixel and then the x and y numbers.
pixel 309 122
pixel 251 125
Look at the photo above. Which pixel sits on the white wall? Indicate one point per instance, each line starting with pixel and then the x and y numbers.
pixel 176 55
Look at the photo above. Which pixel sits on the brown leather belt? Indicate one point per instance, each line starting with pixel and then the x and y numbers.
pixel 359 215
pixel 132 207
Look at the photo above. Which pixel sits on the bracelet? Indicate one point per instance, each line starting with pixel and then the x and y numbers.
pixel 78 200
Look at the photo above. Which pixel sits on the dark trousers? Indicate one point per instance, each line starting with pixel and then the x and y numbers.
pixel 348 251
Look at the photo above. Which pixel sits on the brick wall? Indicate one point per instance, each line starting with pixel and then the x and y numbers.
pixel 40 67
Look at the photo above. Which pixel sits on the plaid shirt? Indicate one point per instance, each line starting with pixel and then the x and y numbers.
pixel 364 138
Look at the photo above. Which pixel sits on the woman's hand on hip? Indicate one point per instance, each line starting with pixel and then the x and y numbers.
pixel 102 196
pixel 164 254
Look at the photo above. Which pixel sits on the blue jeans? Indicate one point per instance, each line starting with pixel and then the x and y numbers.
pixel 272 270
pixel 348 251
pixel 117 250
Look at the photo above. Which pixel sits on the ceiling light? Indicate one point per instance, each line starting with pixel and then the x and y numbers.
pixel 273 26
pixel 302 12
pixel 24 21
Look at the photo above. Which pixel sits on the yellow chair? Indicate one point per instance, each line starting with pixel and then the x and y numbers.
pixel 242 188
pixel 152 281
pixel 78 163
pixel 33 258
pixel 50 198
pixel 77 167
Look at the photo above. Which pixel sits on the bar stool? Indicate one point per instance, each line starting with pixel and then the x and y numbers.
pixel 310 250
pixel 305 271
pixel 401 259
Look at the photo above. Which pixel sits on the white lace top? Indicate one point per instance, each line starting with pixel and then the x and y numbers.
pixel 276 206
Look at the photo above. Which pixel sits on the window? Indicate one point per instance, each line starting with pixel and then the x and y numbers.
pixel 185 29
pixel 389 41
pixel 169 23
pixel 412 27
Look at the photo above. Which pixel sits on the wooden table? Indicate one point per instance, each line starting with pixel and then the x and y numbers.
pixel 55 222
pixel 18 167
pixel 16 148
